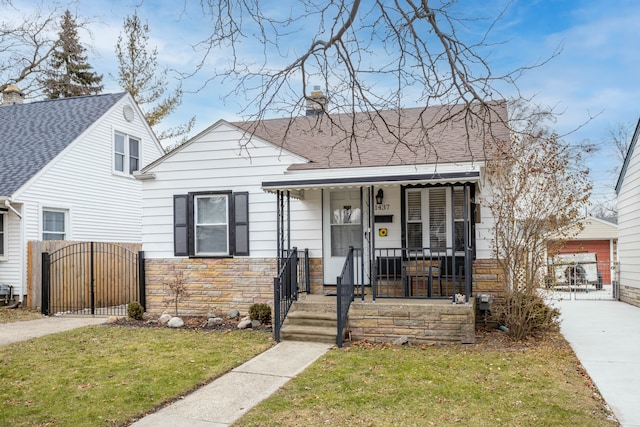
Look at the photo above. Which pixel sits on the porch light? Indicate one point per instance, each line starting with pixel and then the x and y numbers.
pixel 379 196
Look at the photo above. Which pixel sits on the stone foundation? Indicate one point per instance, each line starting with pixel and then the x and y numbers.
pixel 429 322
pixel 630 295
pixel 214 285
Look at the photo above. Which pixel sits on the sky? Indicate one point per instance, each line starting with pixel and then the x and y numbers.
pixel 590 82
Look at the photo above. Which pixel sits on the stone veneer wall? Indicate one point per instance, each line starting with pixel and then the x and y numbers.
pixel 215 285
pixel 630 295
pixel 425 322
pixel 488 278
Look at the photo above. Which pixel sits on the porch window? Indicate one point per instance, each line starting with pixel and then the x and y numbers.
pixel 211 224
pixel 433 215
pixel 53 224
pixel 3 235
pixel 126 153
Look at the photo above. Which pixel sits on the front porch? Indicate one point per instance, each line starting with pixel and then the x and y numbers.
pixel 417 321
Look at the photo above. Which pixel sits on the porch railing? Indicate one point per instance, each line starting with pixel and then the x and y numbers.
pixel 345 287
pixel 421 273
pixel 286 285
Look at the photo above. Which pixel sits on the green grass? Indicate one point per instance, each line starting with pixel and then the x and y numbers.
pixel 102 376
pixel 533 385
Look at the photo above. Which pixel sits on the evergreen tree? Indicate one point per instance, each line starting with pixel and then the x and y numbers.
pixel 70 74
pixel 139 76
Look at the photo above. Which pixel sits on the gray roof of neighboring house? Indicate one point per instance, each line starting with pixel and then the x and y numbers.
pixel 394 137
pixel 34 133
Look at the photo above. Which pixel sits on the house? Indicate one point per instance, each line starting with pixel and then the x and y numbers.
pixel 628 193
pixel 224 210
pixel 67 173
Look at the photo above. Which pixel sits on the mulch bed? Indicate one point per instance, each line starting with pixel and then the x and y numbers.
pixel 190 322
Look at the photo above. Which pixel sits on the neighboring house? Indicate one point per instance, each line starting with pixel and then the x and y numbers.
pixel 598 237
pixel 66 173
pixel 220 208
pixel 628 192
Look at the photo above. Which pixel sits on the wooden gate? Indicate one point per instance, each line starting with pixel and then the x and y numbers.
pixel 92 278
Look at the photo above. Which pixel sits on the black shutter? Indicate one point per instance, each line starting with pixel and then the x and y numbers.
pixel 180 225
pixel 241 224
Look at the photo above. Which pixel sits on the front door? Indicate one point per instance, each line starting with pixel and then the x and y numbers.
pixel 342 228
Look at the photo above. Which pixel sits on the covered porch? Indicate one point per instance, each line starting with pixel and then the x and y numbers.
pixel 386 243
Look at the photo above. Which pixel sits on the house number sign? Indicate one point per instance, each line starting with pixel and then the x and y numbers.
pixel 383 207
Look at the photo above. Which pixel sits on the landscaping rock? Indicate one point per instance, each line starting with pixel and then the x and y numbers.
pixel 255 323
pixel 175 322
pixel 215 321
pixel 401 340
pixel 244 324
pixel 234 313
pixel 164 319
pixel 112 319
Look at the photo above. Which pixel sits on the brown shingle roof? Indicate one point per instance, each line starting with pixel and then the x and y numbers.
pixel 402 137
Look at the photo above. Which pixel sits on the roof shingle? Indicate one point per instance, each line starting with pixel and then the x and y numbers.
pixel 32 134
pixel 403 137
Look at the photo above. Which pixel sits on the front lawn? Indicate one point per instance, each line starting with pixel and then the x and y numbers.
pixel 493 383
pixel 103 376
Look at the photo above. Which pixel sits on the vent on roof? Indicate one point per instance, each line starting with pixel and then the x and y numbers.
pixel 317 102
pixel 12 95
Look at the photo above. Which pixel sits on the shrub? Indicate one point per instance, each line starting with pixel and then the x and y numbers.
pixel 526 315
pixel 135 310
pixel 260 312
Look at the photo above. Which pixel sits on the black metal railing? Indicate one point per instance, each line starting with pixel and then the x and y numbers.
pixel 286 285
pixel 421 273
pixel 345 287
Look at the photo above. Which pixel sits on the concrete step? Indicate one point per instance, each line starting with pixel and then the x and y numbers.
pixel 314 306
pixel 312 318
pixel 308 333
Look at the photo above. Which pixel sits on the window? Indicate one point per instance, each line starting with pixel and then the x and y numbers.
pixel 126 153
pixel 53 224
pixel 211 224
pixel 345 221
pixel 435 218
pixel 3 235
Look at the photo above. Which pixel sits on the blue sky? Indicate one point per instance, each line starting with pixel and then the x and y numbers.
pixel 591 82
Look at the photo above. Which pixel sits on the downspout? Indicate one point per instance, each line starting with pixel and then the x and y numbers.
pixel 7 203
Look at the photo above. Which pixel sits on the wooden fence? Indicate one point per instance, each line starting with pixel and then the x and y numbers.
pixel 110 261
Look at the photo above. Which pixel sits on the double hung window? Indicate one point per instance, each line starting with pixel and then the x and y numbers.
pixel 54 224
pixel 126 153
pixel 211 224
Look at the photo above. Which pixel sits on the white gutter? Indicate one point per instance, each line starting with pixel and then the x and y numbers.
pixel 7 203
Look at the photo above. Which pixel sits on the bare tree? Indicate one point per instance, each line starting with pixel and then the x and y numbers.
pixel 25 47
pixel 138 74
pixel 539 190
pixel 367 56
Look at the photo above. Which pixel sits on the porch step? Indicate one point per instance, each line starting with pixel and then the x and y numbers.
pixel 308 333
pixel 311 321
pixel 311 318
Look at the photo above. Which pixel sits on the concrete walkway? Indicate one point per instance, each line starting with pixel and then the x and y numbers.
pixel 605 335
pixel 24 330
pixel 232 395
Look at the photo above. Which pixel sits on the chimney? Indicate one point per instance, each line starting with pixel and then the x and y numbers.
pixel 317 102
pixel 12 95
